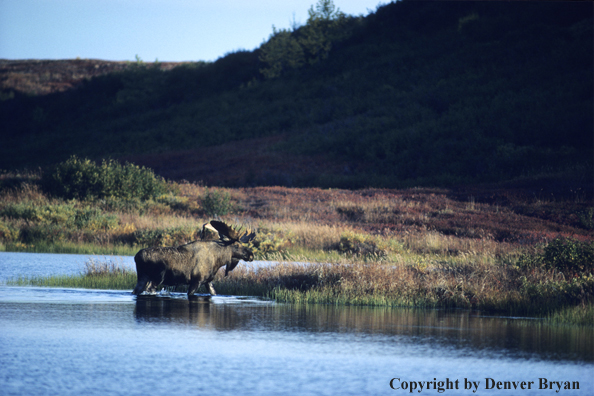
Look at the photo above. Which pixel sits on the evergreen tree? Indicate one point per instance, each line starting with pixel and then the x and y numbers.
pixel 311 43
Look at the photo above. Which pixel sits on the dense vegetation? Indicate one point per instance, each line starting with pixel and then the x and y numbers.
pixel 415 93
pixel 415 247
pixel 84 179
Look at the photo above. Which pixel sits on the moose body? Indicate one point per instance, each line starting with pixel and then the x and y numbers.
pixel 193 264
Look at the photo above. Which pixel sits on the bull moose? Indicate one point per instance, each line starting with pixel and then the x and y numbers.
pixel 195 263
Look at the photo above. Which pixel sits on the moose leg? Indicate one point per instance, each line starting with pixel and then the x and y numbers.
pixel 141 285
pixel 211 289
pixel 194 285
pixel 151 287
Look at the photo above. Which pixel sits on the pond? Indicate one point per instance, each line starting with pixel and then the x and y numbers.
pixel 56 341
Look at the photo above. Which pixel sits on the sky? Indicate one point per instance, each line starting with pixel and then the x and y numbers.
pixel 164 30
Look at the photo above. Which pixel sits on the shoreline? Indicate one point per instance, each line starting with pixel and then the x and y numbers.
pixel 347 283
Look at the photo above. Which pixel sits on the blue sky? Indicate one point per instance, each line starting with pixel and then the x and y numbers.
pixel 167 30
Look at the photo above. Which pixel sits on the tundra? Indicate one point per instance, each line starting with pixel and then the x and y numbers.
pixel 195 263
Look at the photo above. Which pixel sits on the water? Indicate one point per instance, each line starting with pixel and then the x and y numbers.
pixel 102 342
pixel 39 264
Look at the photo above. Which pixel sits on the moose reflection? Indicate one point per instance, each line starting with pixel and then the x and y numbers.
pixel 195 263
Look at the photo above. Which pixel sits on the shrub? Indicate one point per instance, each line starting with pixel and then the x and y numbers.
pixel 165 237
pixel 569 255
pixel 174 202
pixel 566 255
pixel 267 242
pixel 84 179
pixel 43 214
pixel 586 219
pixel 359 244
pixel 8 233
pixel 93 219
pixel 216 202
pixel 61 214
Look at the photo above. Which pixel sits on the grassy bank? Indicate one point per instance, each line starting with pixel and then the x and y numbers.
pixel 68 247
pixel 498 250
pixel 496 289
pixel 500 288
pixel 108 275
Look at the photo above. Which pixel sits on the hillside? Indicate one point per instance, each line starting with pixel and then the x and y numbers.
pixel 41 77
pixel 416 93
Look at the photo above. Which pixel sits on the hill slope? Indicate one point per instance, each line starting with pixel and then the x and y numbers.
pixel 417 93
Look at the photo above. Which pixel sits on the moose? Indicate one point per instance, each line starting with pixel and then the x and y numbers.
pixel 195 263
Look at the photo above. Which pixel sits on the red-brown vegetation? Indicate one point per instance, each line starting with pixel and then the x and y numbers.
pixel 41 77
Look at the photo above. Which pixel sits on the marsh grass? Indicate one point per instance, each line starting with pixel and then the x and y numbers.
pixel 111 282
pixel 479 286
pixel 582 315
pixel 416 247
pixel 69 247
pixel 483 286
pixel 109 275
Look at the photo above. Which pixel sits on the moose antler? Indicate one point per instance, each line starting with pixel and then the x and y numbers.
pixel 209 233
pixel 233 233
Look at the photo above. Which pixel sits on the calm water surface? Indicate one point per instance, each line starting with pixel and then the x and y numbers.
pixel 101 342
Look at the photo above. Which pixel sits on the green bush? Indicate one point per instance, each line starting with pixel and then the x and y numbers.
pixel 569 255
pixel 65 215
pixel 52 233
pixel 84 179
pixel 566 255
pixel 94 219
pixel 44 214
pixel 216 202
pixel 360 244
pixel 165 237
pixel 7 232
pixel 556 294
pixel 269 242
pixel 174 202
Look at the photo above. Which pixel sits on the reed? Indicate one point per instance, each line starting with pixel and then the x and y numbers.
pixel 582 315
pixel 107 282
pixel 415 247
pixel 483 286
pixel 69 247
pixel 110 275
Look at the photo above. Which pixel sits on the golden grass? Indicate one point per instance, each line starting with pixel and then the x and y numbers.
pixel 416 247
pixel 477 285
pixel 415 225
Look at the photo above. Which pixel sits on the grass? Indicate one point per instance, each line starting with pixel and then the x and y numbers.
pixel 111 282
pixel 69 247
pixel 107 275
pixel 582 315
pixel 491 249
pixel 482 287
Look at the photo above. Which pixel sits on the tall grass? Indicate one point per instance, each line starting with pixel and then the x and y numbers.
pixel 112 282
pixel 579 315
pixel 417 247
pixel 109 275
pixel 69 247
pixel 484 286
